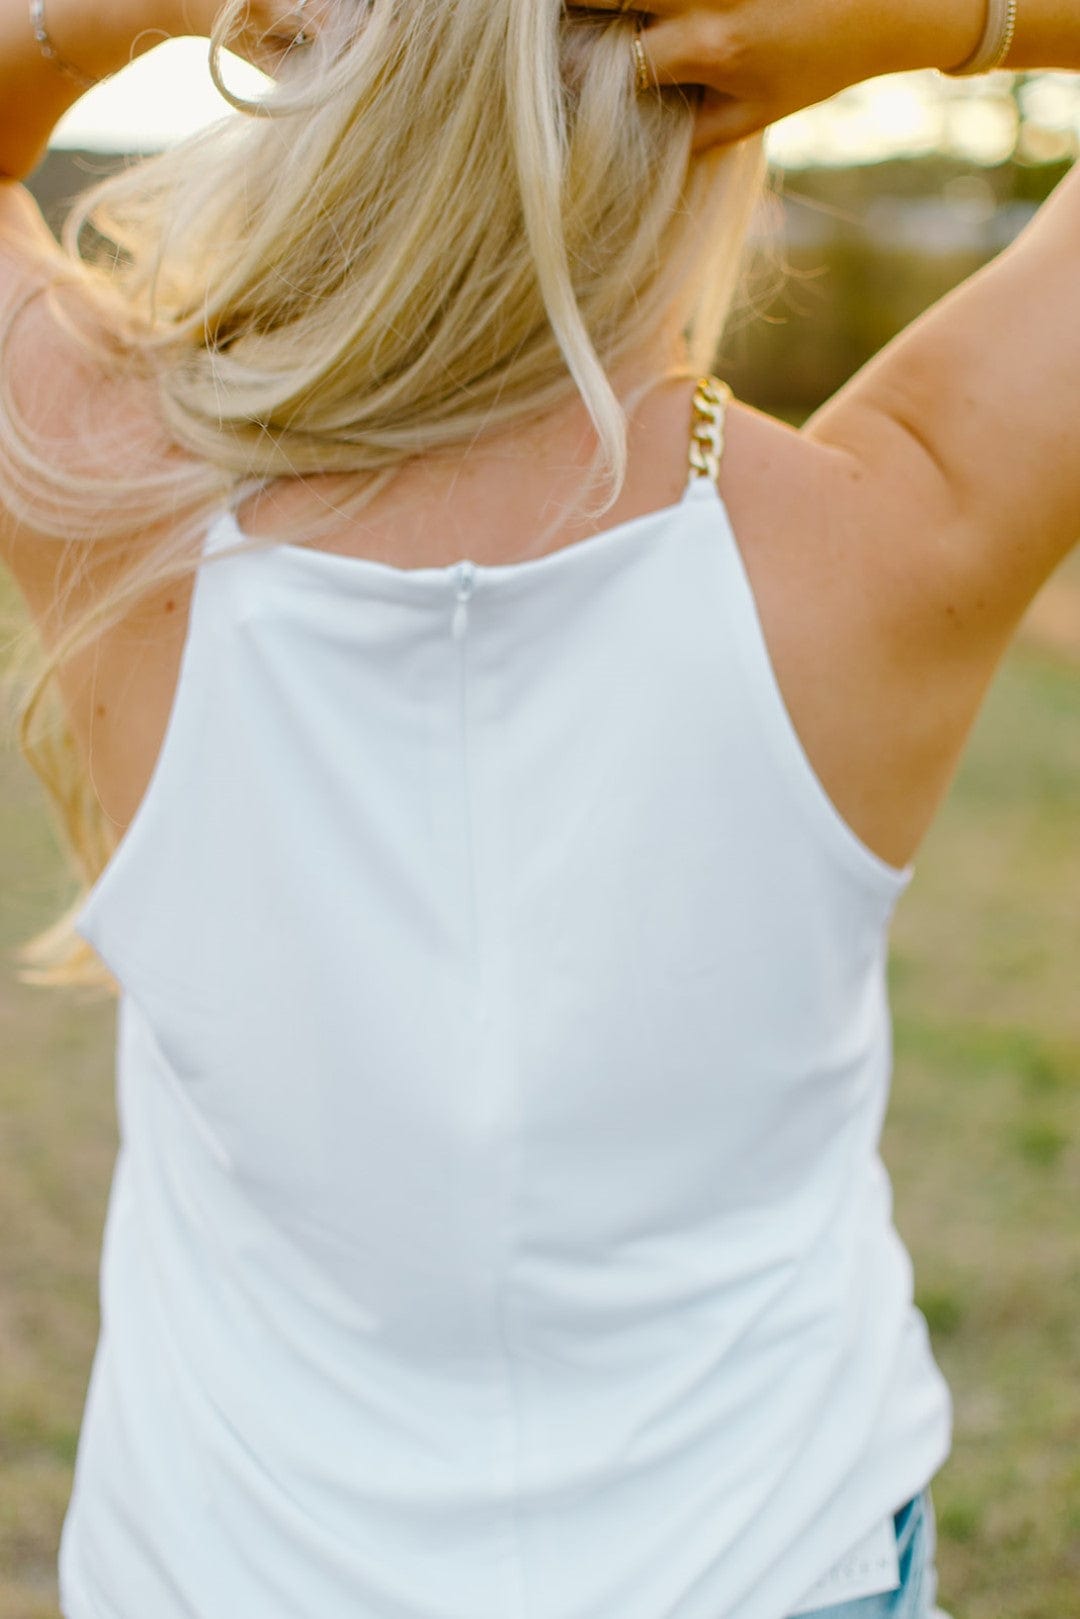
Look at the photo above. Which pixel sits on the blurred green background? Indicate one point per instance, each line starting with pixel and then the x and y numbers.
pixel 983 1138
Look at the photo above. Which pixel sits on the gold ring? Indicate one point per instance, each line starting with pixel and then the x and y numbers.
pixel 641 63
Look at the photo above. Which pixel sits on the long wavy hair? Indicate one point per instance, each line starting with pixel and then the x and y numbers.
pixel 445 218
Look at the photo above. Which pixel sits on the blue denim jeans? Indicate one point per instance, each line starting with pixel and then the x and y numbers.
pixel 916 1543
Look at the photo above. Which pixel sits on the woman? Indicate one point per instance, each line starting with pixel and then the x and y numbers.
pixel 494 854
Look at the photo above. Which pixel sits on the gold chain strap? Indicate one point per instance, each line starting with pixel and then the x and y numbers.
pixel 710 403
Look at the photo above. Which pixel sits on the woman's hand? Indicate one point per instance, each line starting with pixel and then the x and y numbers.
pixel 763 59
pixel 268 32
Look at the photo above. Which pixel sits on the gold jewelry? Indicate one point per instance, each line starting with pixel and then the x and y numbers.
pixel 49 51
pixel 641 62
pixel 995 44
pixel 710 402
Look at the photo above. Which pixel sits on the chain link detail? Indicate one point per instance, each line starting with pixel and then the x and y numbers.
pixel 710 402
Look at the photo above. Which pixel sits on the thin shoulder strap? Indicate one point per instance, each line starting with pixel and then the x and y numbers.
pixel 710 403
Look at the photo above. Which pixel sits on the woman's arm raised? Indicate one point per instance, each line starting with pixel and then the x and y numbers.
pixel 972 414
pixel 962 436
pixel 92 39
pixel 95 40
pixel 763 59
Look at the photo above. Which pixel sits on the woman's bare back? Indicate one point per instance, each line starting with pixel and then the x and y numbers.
pixel 882 734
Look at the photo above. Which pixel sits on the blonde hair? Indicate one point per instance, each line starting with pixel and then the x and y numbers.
pixel 445 218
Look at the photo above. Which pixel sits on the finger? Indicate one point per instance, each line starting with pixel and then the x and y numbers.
pixel 608 8
pixel 678 53
pixel 722 120
pixel 722 117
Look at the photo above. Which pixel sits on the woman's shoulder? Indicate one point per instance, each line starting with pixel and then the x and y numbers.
pixel 74 412
pixel 857 520
pixel 880 665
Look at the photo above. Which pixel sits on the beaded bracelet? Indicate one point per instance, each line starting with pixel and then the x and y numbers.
pixel 49 51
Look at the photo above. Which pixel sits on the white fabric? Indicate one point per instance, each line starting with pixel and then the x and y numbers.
pixel 498 1230
pixel 867 1569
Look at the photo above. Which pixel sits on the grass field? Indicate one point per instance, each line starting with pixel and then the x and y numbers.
pixel 983 1142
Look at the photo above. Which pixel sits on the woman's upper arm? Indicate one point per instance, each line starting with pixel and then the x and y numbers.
pixel 62 396
pixel 967 425
pixel 34 375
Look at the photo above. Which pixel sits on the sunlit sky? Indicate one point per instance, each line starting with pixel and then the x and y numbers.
pixel 168 94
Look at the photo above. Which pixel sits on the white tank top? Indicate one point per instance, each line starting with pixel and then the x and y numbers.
pixel 498 1229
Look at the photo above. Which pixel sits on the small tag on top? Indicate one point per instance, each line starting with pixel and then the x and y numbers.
pixel 871 1567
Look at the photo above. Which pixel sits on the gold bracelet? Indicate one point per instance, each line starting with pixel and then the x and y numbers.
pixel 994 46
pixel 49 51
